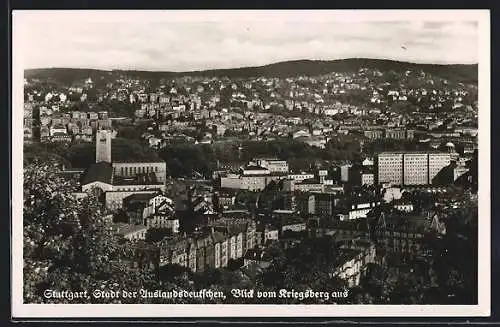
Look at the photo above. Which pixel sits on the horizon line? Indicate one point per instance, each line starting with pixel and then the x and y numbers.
pixel 256 66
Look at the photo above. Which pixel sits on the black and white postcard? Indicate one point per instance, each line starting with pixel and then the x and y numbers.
pixel 250 163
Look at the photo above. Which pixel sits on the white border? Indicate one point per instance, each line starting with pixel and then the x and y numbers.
pixel 20 310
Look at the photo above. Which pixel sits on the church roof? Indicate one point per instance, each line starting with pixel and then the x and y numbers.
pixel 140 197
pixel 98 172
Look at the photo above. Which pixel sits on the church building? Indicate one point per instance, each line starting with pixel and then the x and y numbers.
pixel 116 180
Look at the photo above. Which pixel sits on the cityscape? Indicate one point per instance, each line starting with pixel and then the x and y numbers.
pixel 342 181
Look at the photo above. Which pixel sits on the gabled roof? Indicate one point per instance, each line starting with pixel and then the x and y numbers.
pixel 98 172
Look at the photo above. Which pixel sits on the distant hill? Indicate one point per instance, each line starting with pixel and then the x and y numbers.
pixel 458 73
pixel 66 75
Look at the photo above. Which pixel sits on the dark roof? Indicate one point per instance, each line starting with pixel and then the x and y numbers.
pixel 292 221
pixel 236 213
pixel 325 196
pixel 227 192
pixel 140 197
pixel 138 179
pixel 98 172
pixel 308 181
pixel 254 168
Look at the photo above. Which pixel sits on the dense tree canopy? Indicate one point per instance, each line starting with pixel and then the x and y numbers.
pixel 67 245
pixel 82 155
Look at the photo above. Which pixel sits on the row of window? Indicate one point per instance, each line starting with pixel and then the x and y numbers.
pixel 127 189
pixel 137 170
pixel 401 234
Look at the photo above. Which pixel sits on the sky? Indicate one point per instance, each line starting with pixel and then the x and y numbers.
pixel 199 40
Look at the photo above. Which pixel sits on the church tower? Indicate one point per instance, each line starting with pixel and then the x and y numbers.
pixel 103 146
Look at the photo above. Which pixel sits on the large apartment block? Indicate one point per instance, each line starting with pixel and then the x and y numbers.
pixel 416 169
pixel 390 168
pixel 410 168
pixel 436 162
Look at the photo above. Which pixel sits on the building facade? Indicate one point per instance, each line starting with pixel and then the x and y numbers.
pixel 274 165
pixel 131 169
pixel 390 168
pixel 103 146
pixel 226 241
pixel 416 169
pixel 437 161
pixel 249 182
pixel 410 168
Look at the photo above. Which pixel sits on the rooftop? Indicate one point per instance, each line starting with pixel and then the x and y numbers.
pixel 268 158
pixel 125 229
pixel 140 197
pixel 139 179
pixel 412 152
pixel 98 172
pixel 243 212
pixel 254 168
pixel 308 181
pixel 227 192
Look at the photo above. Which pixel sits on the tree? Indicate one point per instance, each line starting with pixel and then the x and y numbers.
pixel 186 159
pixel 130 132
pixel 67 244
